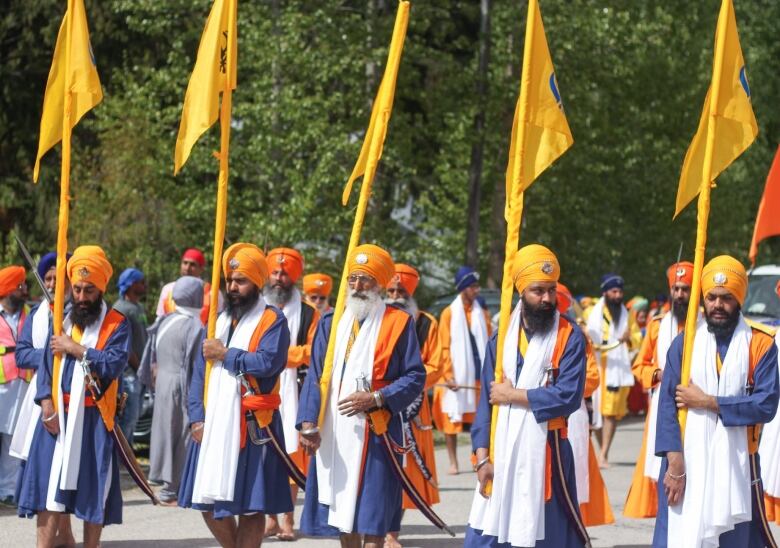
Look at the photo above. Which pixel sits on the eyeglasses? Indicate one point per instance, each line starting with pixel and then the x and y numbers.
pixel 318 298
pixel 355 279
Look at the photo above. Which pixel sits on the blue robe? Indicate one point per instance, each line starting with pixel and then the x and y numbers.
pixel 27 356
pixel 379 496
pixel 262 483
pixel 756 408
pixel 98 462
pixel 547 402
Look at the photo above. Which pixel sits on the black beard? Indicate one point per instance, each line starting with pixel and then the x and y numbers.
pixel 278 295
pixel 86 316
pixel 540 318
pixel 722 328
pixel 680 310
pixel 16 302
pixel 238 304
pixel 615 309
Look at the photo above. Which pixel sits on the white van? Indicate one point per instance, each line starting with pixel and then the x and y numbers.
pixel 762 303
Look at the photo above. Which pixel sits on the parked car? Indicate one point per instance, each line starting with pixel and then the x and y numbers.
pixel 143 428
pixel 762 303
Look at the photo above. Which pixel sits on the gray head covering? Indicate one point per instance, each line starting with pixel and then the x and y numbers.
pixel 188 292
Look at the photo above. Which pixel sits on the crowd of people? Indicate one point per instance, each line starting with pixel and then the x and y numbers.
pixel 281 399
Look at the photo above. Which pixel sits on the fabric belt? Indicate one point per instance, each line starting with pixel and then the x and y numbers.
pixel 89 401
pixel 257 402
pixel 6 350
pixel 558 423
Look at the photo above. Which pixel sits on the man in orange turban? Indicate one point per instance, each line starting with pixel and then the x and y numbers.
pixel 233 404
pixel 285 266
pixel 316 290
pixel 73 417
pixel 13 381
pixel 400 292
pixel 534 494
pixel 648 369
pixel 711 475
pixel 351 488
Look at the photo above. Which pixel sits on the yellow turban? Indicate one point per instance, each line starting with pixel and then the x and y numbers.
pixel 89 264
pixel 317 283
pixel 534 263
pixel 726 272
pixel 374 261
pixel 246 259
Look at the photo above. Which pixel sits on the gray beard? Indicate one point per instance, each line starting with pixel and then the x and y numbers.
pixel 361 307
pixel 277 296
pixel 410 305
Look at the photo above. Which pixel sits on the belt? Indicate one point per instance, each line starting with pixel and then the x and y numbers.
pixel 89 401
pixel 6 350
pixel 253 403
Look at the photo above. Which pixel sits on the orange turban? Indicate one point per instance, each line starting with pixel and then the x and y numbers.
pixel 534 263
pixel 726 272
pixel 10 278
pixel 680 273
pixel 246 259
pixel 564 298
pixel 374 261
pixel 89 264
pixel 319 284
pixel 407 276
pixel 287 259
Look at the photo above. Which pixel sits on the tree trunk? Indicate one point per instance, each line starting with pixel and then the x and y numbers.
pixel 478 146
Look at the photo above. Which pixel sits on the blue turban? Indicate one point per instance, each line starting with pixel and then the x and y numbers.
pixel 48 262
pixel 464 277
pixel 611 281
pixel 127 278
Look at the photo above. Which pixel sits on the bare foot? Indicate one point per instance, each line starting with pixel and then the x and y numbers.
pixel 391 541
pixel 61 541
pixel 603 462
pixel 286 532
pixel 271 526
pixel 453 471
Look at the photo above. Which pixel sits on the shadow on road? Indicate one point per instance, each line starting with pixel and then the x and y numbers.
pixel 169 543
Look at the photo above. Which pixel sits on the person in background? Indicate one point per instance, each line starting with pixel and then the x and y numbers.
pixel 316 290
pixel 193 263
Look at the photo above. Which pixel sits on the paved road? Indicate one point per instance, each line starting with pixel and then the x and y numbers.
pixel 147 526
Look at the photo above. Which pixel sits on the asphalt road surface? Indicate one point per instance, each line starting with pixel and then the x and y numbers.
pixel 149 526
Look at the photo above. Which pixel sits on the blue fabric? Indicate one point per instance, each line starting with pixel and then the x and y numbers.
pixel 98 461
pixel 547 402
pixel 48 261
pixel 27 356
pixel 132 411
pixel 262 483
pixel 464 277
pixel 611 281
pixel 560 528
pixel 380 492
pixel 127 278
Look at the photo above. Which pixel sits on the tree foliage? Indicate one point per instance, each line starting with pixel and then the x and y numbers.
pixel 633 76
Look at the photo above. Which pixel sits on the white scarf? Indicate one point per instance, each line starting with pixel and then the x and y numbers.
pixel 343 438
pixel 579 438
pixel 215 474
pixel 618 371
pixel 66 461
pixel 29 413
pixel 288 381
pixel 717 490
pixel 515 510
pixel 456 404
pixel 769 451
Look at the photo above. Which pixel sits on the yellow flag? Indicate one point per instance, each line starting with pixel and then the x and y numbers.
pixel 76 75
pixel 209 78
pixel 539 109
pixel 736 126
pixel 383 104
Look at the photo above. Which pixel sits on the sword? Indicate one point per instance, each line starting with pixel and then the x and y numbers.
pixel 33 267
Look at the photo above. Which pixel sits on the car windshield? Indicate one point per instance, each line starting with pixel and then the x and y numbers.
pixel 762 299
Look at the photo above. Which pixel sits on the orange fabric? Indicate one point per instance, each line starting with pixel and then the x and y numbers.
pixel 372 260
pixel 301 459
pixel 564 298
pixel 8 369
pixel 759 344
pixel 598 510
pixel 255 403
pixel 318 284
pixel 407 276
pixel 262 416
pixel 646 362
pixel 547 473
pixel 642 498
pixel 299 355
pixel 772 505
pixel 10 278
pixel 681 272
pixel 287 259
pixel 89 401
pixel 393 325
pixel 246 259
pixel 768 216
pixel 727 272
pixel 534 263
pixel 89 264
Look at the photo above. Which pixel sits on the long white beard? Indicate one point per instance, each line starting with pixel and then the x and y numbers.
pixel 277 297
pixel 361 308
pixel 410 305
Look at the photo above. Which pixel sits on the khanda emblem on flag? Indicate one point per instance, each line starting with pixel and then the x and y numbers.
pixel 223 54
pixel 556 93
pixel 744 81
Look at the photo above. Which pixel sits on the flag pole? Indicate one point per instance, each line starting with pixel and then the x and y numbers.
pixel 64 209
pixel 220 217
pixel 384 105
pixel 703 212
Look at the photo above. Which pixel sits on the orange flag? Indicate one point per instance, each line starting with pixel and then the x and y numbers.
pixel 768 217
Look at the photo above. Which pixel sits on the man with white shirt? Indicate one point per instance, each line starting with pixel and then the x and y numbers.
pixel 709 489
